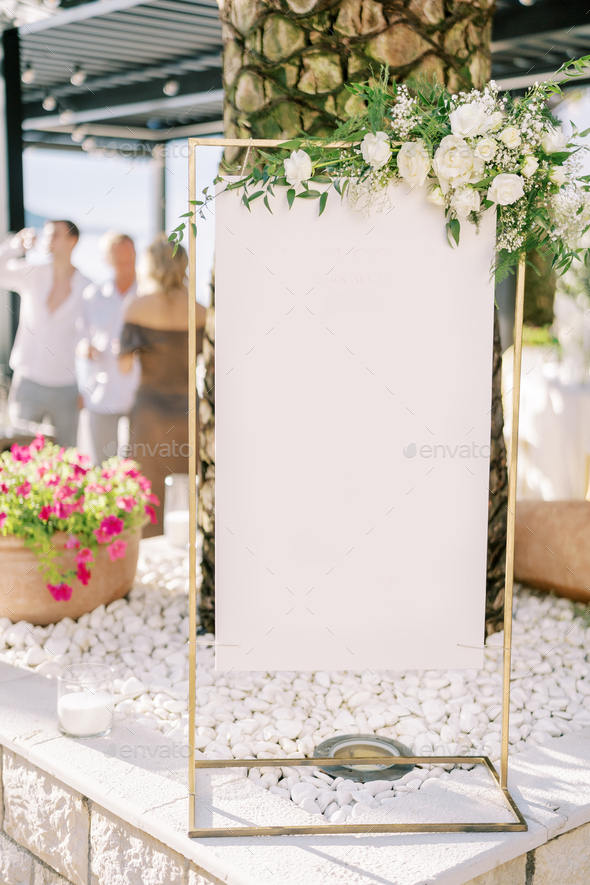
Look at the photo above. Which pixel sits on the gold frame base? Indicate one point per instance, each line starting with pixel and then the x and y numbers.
pixel 518 826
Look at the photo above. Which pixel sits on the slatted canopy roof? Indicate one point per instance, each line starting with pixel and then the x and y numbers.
pixel 129 50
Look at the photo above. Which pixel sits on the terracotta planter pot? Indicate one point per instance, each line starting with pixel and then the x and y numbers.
pixel 552 547
pixel 23 592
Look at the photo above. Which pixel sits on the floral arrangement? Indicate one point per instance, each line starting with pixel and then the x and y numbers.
pixel 46 489
pixel 474 151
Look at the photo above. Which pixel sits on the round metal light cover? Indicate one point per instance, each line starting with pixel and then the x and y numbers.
pixel 363 745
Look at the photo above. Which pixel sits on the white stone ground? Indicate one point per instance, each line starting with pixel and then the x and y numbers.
pixel 287 714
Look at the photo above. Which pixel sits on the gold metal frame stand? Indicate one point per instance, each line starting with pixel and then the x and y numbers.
pixel 500 781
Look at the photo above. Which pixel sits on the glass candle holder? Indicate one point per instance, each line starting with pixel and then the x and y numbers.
pixel 176 510
pixel 85 705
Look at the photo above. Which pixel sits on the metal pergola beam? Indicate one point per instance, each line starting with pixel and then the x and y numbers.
pixel 551 15
pixel 80 13
pixel 192 87
pixel 126 110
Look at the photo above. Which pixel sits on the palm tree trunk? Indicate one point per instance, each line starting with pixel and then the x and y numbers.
pixel 285 68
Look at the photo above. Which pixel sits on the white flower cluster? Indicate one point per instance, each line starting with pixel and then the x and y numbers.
pixel 570 214
pixel 403 113
pixel 496 153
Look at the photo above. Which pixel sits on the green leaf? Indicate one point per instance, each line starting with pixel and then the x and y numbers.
pixel 267 204
pixel 294 144
pixel 309 195
pixel 246 202
pixel 323 201
pixel 290 196
pixel 321 179
pixel 282 182
pixel 453 231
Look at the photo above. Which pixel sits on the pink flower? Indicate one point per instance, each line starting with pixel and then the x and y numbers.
pixel 151 513
pixel 108 474
pixel 110 526
pixel 85 555
pixel 63 511
pixel 45 512
pixel 83 574
pixel 2 520
pixel 60 591
pixel 79 471
pixel 144 484
pixel 126 502
pixel 38 443
pixel 23 490
pixel 65 492
pixel 21 453
pixel 72 543
pixel 153 499
pixel 52 481
pixel 3 488
pixel 117 549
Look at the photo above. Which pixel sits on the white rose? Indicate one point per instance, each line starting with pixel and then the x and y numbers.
pixel 455 163
pixel 495 120
pixel 530 166
pixel 436 196
pixel 511 137
pixel 554 140
pixel 506 189
pixel 485 149
pixel 413 162
pixel 298 168
pixel 469 120
pixel 376 149
pixel 465 201
pixel 557 175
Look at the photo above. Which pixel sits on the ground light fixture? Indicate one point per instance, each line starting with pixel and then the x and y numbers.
pixel 363 746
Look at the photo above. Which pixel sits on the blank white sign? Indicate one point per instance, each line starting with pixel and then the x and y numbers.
pixel 353 395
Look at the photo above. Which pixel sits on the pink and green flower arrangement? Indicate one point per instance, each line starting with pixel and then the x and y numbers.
pixel 46 489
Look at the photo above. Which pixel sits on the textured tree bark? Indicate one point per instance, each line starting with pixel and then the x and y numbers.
pixel 206 504
pixel 285 67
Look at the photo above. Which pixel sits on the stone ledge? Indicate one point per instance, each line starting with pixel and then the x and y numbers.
pixel 148 792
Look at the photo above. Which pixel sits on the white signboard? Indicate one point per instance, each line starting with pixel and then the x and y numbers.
pixel 353 395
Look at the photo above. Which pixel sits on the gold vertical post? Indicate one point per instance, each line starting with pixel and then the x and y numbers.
pixel 192 469
pixel 512 469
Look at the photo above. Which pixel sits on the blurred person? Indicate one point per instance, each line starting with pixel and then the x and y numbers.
pixel 156 329
pixel 43 356
pixel 107 393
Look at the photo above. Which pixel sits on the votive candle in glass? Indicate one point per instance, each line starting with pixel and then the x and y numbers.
pixel 85 705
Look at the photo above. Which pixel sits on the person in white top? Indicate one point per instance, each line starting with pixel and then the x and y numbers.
pixel 107 392
pixel 42 359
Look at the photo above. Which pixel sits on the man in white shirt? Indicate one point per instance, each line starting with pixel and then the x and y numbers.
pixel 108 393
pixel 42 359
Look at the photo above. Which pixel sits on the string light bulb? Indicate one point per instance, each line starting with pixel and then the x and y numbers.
pixel 28 75
pixel 171 88
pixel 49 103
pixel 78 77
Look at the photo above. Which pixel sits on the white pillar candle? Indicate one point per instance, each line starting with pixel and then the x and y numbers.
pixel 176 528
pixel 85 713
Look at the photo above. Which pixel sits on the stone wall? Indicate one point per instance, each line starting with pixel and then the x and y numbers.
pixel 51 834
